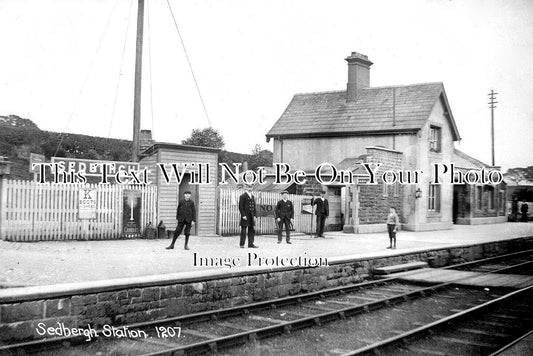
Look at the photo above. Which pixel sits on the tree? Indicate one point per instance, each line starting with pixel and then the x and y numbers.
pixel 207 137
pixel 260 158
pixel 519 174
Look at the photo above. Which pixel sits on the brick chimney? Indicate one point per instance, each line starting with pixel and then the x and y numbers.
pixel 358 74
pixel 145 139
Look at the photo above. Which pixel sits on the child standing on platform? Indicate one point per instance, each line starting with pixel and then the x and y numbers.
pixel 392 226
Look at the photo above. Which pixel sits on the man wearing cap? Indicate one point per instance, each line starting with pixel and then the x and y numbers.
pixel 186 216
pixel 284 216
pixel 248 214
pixel 322 212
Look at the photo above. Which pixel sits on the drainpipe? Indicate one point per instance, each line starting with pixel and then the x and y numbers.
pixel 281 148
pixel 393 116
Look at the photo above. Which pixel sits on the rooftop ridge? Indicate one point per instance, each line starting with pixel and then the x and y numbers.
pixel 468 157
pixel 322 92
pixel 404 85
pixel 370 88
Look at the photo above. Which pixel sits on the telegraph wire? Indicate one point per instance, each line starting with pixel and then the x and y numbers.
pixel 189 61
pixel 120 71
pixel 86 76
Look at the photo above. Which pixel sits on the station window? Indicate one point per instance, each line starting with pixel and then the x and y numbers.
pixel 385 190
pixel 434 197
pixel 396 189
pixel 434 139
pixel 502 201
pixel 479 197
pixel 490 193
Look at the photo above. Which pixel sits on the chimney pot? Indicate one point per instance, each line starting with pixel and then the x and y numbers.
pixel 358 74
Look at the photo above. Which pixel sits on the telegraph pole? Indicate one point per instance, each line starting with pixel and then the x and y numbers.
pixel 137 90
pixel 492 98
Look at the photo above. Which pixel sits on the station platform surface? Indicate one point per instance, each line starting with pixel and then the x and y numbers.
pixel 58 262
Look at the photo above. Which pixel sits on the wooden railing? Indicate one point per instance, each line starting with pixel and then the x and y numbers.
pixel 30 211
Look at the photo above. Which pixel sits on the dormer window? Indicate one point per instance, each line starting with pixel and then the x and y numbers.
pixel 434 139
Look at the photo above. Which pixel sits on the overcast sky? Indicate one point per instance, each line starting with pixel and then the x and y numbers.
pixel 61 61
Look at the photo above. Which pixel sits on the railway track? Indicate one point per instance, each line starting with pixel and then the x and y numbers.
pixel 217 330
pixel 520 263
pixel 485 329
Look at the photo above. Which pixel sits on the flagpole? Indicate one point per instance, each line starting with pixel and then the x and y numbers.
pixel 137 91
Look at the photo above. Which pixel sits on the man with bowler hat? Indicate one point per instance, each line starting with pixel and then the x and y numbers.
pixel 186 216
pixel 248 215
pixel 322 212
pixel 284 216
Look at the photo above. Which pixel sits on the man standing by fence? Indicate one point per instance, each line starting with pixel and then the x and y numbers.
pixel 284 216
pixel 186 216
pixel 322 212
pixel 248 215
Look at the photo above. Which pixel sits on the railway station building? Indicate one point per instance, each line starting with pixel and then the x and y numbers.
pixel 408 127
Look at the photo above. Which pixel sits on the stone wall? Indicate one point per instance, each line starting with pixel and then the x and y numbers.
pixel 120 305
pixel 485 211
pixel 374 200
pixel 466 195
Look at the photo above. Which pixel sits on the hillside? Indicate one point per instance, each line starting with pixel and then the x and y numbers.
pixel 19 137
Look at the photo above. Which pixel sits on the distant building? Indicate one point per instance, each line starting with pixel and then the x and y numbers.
pixel 518 190
pixel 477 204
pixel 169 194
pixel 410 127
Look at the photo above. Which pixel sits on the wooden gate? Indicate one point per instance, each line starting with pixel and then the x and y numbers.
pixel 229 217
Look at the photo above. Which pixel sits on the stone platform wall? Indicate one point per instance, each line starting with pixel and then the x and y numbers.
pixel 125 304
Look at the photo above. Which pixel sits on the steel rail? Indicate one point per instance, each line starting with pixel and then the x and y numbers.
pixel 213 345
pixel 510 268
pixel 489 259
pixel 376 347
pixel 264 305
pixel 512 343
pixel 213 314
pixel 219 313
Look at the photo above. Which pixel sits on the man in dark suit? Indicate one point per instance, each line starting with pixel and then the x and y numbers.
pixel 321 212
pixel 284 216
pixel 186 216
pixel 523 209
pixel 248 215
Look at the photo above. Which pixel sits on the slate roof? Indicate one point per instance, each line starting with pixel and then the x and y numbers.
pixel 328 113
pixel 462 160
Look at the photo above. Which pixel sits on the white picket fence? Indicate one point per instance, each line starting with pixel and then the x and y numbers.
pixel 229 217
pixel 30 211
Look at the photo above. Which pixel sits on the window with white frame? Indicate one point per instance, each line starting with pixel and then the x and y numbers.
pixel 434 197
pixel 434 138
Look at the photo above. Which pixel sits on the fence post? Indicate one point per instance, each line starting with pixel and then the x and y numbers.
pixel 3 205
pixel 219 204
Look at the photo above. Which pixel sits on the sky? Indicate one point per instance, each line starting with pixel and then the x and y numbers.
pixel 68 65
